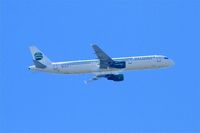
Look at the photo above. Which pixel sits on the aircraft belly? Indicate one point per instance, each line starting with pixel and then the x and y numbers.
pixel 80 69
pixel 140 65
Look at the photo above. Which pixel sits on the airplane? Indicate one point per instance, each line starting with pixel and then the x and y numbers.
pixel 102 67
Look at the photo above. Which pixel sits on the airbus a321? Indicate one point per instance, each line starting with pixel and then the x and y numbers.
pixel 102 67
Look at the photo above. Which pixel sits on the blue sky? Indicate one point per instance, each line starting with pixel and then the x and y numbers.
pixel 165 100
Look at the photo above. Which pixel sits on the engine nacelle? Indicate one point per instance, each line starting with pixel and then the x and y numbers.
pixel 119 77
pixel 118 64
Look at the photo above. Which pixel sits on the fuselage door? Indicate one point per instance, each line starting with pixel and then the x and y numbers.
pixel 55 67
pixel 158 59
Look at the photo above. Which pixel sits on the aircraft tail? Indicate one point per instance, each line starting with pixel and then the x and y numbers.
pixel 39 59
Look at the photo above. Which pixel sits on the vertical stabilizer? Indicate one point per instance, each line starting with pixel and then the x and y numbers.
pixel 39 59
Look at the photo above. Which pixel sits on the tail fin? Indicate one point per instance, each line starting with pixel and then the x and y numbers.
pixel 39 59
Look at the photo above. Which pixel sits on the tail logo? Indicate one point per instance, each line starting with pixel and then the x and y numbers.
pixel 38 56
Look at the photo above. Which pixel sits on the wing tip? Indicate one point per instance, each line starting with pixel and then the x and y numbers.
pixel 94 45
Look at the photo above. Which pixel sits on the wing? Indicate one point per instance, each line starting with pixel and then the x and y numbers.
pixel 105 60
pixel 113 77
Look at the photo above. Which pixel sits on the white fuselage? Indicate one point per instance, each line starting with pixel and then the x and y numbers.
pixel 92 66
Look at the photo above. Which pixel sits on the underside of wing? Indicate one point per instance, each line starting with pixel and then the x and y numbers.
pixel 113 77
pixel 106 65
pixel 106 61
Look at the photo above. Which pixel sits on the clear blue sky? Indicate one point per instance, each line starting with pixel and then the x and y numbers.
pixel 166 100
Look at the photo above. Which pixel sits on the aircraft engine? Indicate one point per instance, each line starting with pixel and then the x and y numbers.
pixel 119 77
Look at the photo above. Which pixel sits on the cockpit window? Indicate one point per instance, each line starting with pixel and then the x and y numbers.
pixel 166 58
